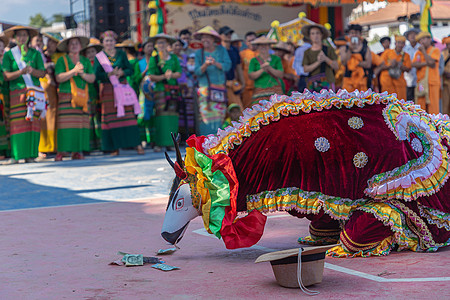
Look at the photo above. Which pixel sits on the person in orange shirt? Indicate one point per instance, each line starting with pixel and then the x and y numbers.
pixel 355 57
pixel 395 63
pixel 246 57
pixel 426 60
pixel 289 77
pixel 446 77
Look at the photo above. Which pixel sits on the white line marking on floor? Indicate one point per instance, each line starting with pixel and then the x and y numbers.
pixel 202 231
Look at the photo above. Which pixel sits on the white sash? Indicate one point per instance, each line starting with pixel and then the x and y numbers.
pixel 21 64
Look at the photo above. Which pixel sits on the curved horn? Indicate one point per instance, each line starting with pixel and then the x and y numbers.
pixel 176 142
pixel 169 160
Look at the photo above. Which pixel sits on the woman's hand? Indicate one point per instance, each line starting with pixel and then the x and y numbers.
pixel 26 70
pixel 78 69
pixel 168 74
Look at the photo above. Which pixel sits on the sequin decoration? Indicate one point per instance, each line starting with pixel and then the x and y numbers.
pixel 360 159
pixel 416 144
pixel 322 144
pixel 355 122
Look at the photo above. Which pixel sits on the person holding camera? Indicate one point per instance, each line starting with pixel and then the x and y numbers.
pixel 396 62
pixel 357 58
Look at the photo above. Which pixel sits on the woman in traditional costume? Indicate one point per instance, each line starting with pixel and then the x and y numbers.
pixel 117 132
pixel 47 141
pixel 73 73
pixel 320 61
pixel 89 52
pixel 146 86
pixel 4 136
pixel 24 134
pixel 211 63
pixel 186 83
pixel 164 69
pixel 266 70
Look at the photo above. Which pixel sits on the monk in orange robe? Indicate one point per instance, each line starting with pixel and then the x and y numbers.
pixel 446 77
pixel 427 57
pixel 395 59
pixel 355 57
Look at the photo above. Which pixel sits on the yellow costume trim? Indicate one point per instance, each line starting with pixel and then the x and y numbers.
pixel 304 202
pixel 192 168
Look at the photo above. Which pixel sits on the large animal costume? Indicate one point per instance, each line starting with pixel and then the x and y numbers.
pixel 365 168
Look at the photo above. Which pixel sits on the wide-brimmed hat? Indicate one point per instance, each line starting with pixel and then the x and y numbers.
pixel 415 30
pixel 4 39
pixel 235 37
pixel 263 40
pixel 52 36
pixel 307 28
pixel 281 46
pixel 208 30
pixel 62 45
pixel 94 43
pixel 170 39
pixel 446 40
pixel 285 263
pixel 32 32
pixel 421 35
pixel 126 44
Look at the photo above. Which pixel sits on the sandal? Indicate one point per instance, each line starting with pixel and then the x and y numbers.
pixel 59 157
pixel 77 155
pixel 140 150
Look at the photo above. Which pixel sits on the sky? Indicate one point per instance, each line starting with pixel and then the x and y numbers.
pixel 19 11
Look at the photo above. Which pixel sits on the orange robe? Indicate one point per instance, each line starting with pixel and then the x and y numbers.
pixel 246 57
pixel 434 80
pixel 389 84
pixel 357 79
pixel 446 85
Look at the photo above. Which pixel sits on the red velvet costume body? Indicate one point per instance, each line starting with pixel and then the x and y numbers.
pixel 282 154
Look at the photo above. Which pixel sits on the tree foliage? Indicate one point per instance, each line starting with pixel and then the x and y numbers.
pixel 38 21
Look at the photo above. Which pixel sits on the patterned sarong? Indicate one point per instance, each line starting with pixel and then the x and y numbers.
pixel 73 126
pixel 117 132
pixel 24 134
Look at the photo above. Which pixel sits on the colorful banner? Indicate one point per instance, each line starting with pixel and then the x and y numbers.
pixel 240 17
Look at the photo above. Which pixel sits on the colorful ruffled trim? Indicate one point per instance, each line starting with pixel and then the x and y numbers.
pixel 435 217
pixel 302 201
pixel 419 177
pixel 280 105
pixel 383 249
pixel 213 188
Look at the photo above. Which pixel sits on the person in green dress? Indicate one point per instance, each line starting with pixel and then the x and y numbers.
pixel 146 85
pixel 89 52
pixel 4 136
pixel 117 132
pixel 72 122
pixel 24 134
pixel 164 69
pixel 266 70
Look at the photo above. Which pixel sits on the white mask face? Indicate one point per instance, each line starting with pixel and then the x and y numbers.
pixel 178 214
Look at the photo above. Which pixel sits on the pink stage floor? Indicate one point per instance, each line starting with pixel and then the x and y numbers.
pixel 63 253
